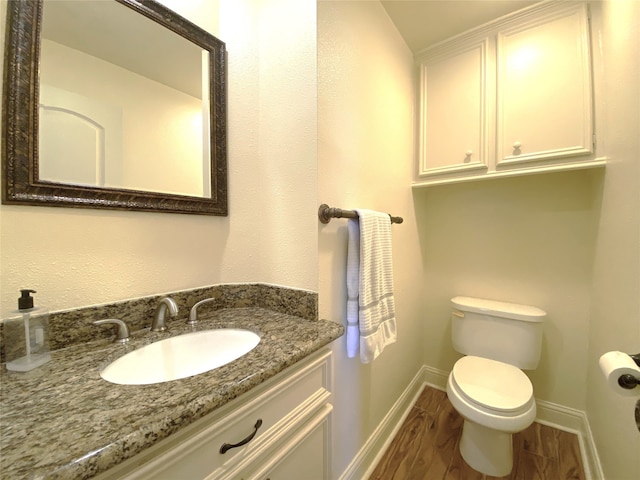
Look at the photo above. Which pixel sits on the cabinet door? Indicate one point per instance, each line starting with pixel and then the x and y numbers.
pixel 304 456
pixel 544 87
pixel 453 109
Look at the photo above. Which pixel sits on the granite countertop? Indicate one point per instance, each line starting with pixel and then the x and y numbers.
pixel 64 421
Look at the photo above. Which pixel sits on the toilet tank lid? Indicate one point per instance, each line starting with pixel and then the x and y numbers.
pixel 500 309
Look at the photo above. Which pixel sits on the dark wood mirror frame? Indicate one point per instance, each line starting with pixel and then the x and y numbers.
pixel 20 183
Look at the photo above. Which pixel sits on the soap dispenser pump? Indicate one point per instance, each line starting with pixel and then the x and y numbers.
pixel 27 335
pixel 26 300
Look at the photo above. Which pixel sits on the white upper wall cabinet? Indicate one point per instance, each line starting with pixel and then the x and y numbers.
pixel 511 97
pixel 454 111
pixel 544 87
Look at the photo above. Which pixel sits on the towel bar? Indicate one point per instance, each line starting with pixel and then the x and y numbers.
pixel 326 213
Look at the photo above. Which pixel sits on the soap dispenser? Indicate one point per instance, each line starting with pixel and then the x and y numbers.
pixel 26 335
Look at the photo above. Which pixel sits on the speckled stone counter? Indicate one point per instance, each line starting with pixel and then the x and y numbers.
pixel 64 421
pixel 73 327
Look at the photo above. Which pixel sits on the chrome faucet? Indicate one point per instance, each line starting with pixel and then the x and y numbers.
pixel 158 324
pixel 122 330
pixel 193 314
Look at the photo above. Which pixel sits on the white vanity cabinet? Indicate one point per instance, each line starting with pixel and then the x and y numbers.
pixel 304 456
pixel 292 440
pixel 511 97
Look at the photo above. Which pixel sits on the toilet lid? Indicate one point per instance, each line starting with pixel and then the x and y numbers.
pixel 492 384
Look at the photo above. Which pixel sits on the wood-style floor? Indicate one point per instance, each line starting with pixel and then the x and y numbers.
pixel 426 448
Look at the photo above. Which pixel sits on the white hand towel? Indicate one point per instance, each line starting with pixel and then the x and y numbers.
pixel 353 286
pixel 376 306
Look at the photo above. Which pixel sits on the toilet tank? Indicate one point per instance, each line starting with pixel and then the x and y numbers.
pixel 506 332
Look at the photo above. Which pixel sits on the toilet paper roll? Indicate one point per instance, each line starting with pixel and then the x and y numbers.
pixel 615 364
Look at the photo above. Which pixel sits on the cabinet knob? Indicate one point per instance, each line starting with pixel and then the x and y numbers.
pixel 468 153
pixel 517 145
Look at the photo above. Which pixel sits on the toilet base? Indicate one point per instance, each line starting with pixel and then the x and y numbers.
pixel 486 450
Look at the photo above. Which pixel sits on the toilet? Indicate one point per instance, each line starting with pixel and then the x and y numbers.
pixel 487 386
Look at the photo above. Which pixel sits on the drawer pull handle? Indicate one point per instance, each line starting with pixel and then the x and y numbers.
pixel 229 446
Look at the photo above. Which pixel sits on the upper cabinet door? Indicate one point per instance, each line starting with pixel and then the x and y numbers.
pixel 544 94
pixel 453 109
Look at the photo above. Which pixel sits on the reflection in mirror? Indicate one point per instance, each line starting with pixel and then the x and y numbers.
pixel 112 115
pixel 128 94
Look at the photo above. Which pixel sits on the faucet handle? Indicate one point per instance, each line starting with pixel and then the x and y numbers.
pixel 122 330
pixel 193 314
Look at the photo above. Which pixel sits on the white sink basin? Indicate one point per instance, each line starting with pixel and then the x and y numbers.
pixel 181 356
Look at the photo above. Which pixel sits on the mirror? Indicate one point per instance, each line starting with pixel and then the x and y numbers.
pixel 120 108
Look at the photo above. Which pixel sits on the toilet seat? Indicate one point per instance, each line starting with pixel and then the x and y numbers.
pixel 492 385
pixel 496 400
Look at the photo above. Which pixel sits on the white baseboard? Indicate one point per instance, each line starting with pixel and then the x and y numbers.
pixel 574 421
pixel 376 445
pixel 435 377
pixel 548 413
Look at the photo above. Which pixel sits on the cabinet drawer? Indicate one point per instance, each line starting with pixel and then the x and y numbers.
pixel 196 456
pixel 303 455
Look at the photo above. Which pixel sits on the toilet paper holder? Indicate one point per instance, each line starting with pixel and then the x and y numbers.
pixel 627 380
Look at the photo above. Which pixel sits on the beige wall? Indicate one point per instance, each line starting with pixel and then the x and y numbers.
pixel 365 117
pixel 525 240
pixel 615 312
pixel 79 257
